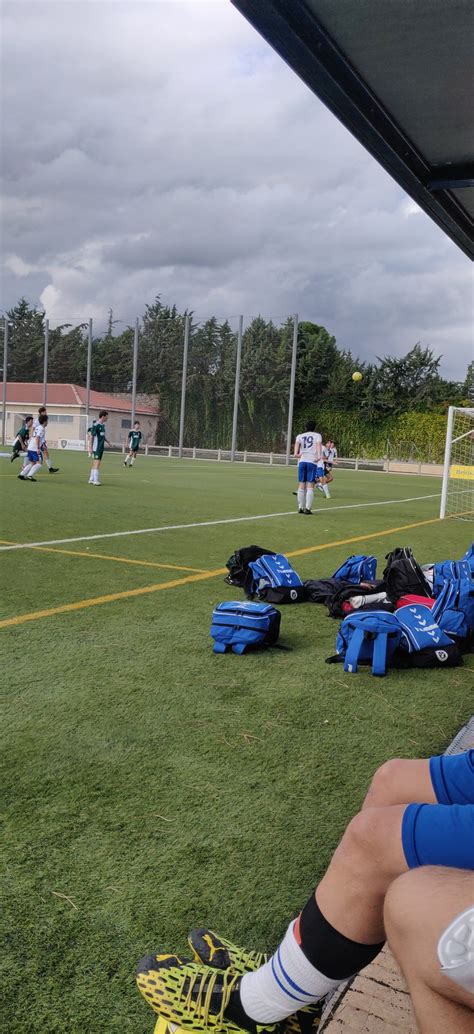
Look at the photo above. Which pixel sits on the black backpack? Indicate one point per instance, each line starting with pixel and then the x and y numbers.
pixel 403 575
pixel 240 574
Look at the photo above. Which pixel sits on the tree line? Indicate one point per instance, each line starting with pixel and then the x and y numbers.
pixel 361 416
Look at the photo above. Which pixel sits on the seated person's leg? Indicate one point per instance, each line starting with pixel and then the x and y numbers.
pixel 419 907
pixel 401 781
pixel 340 929
pixel 444 779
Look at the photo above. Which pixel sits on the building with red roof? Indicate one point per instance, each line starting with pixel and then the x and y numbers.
pixel 68 418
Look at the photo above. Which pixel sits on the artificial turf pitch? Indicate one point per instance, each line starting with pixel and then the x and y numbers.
pixel 150 785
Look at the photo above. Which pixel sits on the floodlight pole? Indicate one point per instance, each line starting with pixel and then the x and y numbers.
pixel 45 362
pixel 134 371
pixel 447 457
pixel 183 385
pixel 292 388
pixel 88 378
pixel 5 368
pixel 237 388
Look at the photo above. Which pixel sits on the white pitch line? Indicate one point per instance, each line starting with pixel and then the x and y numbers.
pixel 207 524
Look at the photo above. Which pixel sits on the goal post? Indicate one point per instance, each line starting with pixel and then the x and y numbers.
pixel 457 494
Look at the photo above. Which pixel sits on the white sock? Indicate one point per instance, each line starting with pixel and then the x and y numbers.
pixel 132 459
pixel 285 983
pixel 309 498
pixel 326 491
pixel 27 465
pixel 34 469
pixel 301 497
pixel 49 464
pixel 97 478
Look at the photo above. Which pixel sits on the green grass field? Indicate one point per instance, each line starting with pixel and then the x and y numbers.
pixel 149 784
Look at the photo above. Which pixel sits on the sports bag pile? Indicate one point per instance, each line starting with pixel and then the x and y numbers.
pixel 244 626
pixel 275 581
pixel 356 569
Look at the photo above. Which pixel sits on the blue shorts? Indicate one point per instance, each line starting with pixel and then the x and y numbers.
pixel 443 833
pixel 308 472
pixel 34 456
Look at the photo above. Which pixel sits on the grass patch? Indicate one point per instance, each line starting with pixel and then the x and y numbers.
pixel 150 785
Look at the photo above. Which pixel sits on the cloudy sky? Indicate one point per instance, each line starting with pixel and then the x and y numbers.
pixel 164 148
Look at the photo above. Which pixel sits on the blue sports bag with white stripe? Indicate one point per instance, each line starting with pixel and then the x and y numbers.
pixel 243 626
pixel 275 581
pixel 357 568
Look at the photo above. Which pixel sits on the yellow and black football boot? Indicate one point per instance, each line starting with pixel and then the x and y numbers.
pixel 218 952
pixel 193 996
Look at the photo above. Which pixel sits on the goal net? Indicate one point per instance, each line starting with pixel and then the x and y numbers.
pixel 457 496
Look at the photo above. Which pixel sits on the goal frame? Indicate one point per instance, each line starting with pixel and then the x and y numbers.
pixel 447 451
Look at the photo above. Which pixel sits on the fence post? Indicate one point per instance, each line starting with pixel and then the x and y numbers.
pixel 271 458
pixel 183 385
pixel 236 388
pixel 245 455
pixel 45 363
pixel 88 379
pixel 146 450
pixel 292 388
pixel 357 463
pixel 170 451
pixel 134 370
pixel 5 377
pixel 194 452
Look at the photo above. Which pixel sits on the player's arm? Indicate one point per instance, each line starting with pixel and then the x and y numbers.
pixel 297 448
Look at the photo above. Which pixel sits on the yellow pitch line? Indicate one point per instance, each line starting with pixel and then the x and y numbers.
pixel 105 556
pixel 83 604
pixel 361 538
pixel 65 608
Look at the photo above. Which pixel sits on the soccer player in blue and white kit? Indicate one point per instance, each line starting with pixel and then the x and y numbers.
pixel 308 449
pixel 36 445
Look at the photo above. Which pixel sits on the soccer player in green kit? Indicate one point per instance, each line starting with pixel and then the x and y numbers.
pixel 98 442
pixel 134 439
pixel 21 440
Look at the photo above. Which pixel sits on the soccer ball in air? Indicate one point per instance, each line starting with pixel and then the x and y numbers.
pixel 357 376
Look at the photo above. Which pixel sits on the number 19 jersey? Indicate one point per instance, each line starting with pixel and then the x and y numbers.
pixel 310 444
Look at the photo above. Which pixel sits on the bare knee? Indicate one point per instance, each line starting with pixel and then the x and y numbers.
pixel 373 839
pixel 419 906
pixel 383 788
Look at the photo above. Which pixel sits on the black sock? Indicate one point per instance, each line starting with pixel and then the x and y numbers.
pixel 236 1012
pixel 335 955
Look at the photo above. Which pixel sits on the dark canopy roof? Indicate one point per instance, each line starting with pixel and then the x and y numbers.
pixel 399 75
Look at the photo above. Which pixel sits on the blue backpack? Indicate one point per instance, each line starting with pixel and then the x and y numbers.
pixel 275 581
pixel 424 644
pixel 454 610
pixel 240 626
pixel 357 568
pixel 369 638
pixel 469 558
pixel 450 570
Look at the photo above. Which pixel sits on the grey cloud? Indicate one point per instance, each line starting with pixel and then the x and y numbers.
pixel 164 148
